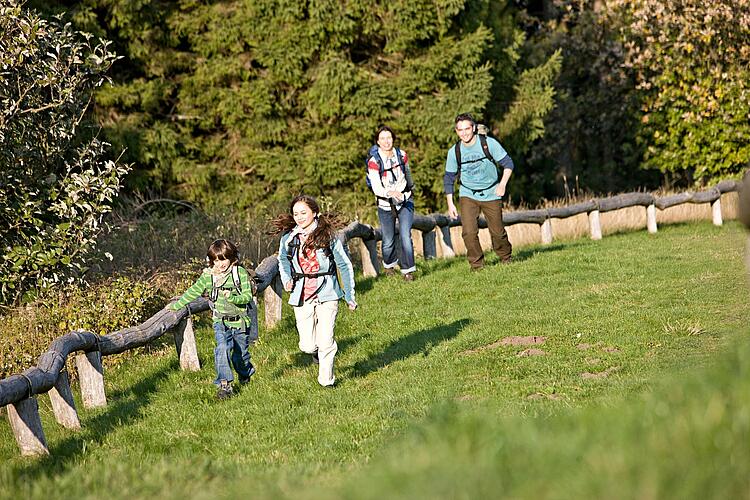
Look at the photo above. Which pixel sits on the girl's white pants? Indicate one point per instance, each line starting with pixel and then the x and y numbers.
pixel 315 322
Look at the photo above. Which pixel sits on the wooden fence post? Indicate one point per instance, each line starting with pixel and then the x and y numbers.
pixel 368 251
pixel 63 405
pixel 595 225
pixel 716 212
pixel 429 245
pixel 446 242
pixel 187 350
pixel 272 302
pixel 91 377
pixel 651 219
pixel 417 243
pixel 27 427
pixel 547 231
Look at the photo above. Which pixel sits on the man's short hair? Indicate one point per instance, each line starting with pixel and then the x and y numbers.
pixel 465 117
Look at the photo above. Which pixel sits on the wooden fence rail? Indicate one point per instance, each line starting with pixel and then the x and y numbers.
pixel 18 392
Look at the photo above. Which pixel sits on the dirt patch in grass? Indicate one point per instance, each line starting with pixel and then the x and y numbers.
pixel 515 341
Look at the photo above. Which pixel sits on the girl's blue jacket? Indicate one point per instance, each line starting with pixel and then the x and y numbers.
pixel 330 288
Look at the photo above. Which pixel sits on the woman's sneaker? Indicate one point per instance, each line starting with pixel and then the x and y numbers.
pixel 225 390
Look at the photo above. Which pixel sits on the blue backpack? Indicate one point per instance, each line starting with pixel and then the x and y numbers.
pixel 373 154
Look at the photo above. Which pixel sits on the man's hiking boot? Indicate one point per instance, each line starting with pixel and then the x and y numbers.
pixel 408 277
pixel 506 260
pixel 225 391
pixel 315 358
pixel 389 271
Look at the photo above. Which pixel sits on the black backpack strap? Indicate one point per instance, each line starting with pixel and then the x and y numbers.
pixel 236 279
pixel 457 150
pixel 214 295
pixel 486 148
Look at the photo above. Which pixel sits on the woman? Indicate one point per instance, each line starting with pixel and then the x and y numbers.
pixel 389 177
pixel 309 255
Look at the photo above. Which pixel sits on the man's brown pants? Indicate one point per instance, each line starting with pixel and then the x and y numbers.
pixel 493 212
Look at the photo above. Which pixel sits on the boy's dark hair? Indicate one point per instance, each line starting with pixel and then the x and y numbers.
pixel 384 128
pixel 323 235
pixel 465 117
pixel 222 249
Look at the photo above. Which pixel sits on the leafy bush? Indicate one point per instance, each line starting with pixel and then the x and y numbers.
pixel 55 186
pixel 690 60
pixel 109 306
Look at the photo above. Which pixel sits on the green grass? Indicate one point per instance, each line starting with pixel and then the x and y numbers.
pixel 427 405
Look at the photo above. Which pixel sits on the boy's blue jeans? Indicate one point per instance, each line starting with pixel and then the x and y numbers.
pixel 231 350
pixel 388 229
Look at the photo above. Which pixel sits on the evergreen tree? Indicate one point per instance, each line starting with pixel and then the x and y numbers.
pixel 245 102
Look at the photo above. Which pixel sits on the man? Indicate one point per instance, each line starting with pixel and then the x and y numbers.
pixel 481 188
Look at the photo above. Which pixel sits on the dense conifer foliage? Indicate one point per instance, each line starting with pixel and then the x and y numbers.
pixel 244 102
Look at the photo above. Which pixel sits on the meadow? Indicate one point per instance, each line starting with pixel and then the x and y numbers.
pixel 616 368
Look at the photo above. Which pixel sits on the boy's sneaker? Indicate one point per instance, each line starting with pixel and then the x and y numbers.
pixel 315 358
pixel 225 390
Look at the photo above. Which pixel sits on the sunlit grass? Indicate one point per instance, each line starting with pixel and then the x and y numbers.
pixel 424 379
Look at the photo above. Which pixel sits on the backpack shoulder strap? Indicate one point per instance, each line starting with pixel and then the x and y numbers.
pixel 457 150
pixel 214 289
pixel 236 278
pixel 405 170
pixel 486 148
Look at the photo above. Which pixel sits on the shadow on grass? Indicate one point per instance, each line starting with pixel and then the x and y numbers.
pixel 364 285
pixel 438 265
pixel 124 407
pixel 419 342
pixel 528 253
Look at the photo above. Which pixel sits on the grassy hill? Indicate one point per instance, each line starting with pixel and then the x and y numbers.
pixel 638 388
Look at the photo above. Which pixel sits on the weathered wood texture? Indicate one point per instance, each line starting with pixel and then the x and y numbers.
pixel 27 427
pixel 187 349
pixel 272 302
pixel 91 379
pixel 63 405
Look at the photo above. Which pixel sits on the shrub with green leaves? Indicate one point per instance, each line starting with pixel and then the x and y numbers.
pixel 56 185
pixel 108 306
pixel 690 60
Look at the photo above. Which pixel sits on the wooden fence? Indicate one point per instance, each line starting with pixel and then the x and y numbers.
pixel 18 392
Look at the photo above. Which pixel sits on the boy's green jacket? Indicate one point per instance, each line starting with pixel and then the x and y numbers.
pixel 232 306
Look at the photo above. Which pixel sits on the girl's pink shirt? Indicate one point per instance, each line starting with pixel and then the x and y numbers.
pixel 308 260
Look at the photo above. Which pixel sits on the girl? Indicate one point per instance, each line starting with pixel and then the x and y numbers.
pixel 235 322
pixel 309 255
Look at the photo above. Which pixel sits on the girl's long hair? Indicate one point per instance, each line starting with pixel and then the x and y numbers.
pixel 328 223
